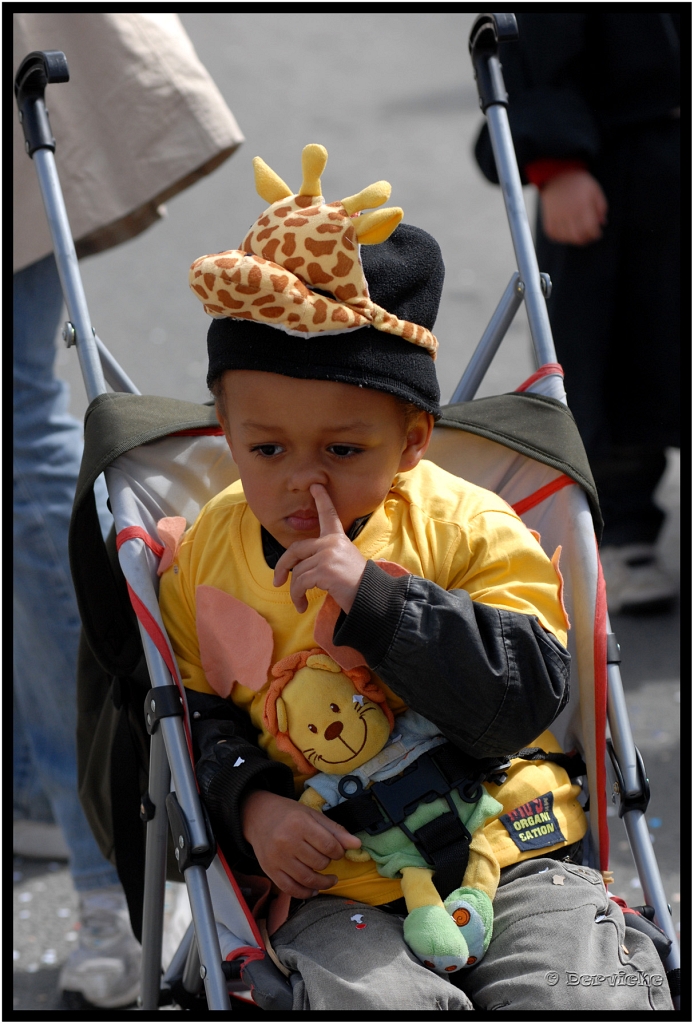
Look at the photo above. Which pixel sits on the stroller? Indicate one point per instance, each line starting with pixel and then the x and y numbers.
pixel 163 458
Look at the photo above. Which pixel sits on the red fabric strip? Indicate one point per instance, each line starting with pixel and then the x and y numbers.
pixel 600 675
pixel 242 903
pixel 543 492
pixel 155 634
pixel 544 371
pixel 138 533
pixel 539 172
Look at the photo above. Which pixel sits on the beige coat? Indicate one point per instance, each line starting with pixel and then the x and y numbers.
pixel 139 120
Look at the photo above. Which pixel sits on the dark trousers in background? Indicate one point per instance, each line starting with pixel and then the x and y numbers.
pixel 615 316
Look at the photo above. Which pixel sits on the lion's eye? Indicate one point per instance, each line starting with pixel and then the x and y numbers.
pixel 334 707
pixel 312 728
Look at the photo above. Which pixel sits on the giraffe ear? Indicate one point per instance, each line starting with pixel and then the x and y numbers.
pixel 313 161
pixel 375 227
pixel 269 185
pixel 372 195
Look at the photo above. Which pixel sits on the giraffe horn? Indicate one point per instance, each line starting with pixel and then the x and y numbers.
pixel 269 185
pixel 375 227
pixel 372 195
pixel 313 161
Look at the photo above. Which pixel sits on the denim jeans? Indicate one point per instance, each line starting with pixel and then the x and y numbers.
pixel 47 449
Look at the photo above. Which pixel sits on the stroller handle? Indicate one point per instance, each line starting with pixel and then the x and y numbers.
pixel 486 34
pixel 37 70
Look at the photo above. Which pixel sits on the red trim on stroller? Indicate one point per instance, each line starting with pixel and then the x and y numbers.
pixel 242 903
pixel 600 677
pixel 138 533
pixel 543 492
pixel 544 371
pixel 151 626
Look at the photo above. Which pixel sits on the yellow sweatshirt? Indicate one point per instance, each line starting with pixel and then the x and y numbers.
pixel 432 523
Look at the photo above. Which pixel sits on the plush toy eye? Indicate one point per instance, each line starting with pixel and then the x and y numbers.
pixel 334 707
pixel 312 728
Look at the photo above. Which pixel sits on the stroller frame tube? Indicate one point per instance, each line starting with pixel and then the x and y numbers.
pixel 70 279
pixel 155 874
pixel 494 334
pixel 484 37
pixel 169 761
pixel 509 177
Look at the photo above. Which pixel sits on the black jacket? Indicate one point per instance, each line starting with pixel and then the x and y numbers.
pixel 575 80
pixel 491 680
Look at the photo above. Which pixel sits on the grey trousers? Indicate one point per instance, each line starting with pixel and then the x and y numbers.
pixel 353 957
pixel 559 944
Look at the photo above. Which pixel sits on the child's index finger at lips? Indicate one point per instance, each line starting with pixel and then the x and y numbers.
pixel 327 514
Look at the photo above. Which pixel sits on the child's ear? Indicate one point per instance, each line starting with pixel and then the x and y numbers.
pixel 416 441
pixel 222 420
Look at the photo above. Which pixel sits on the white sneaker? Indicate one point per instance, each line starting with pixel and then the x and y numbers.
pixel 634 580
pixel 38 840
pixel 105 969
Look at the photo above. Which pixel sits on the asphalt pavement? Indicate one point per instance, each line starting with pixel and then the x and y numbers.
pixel 391 95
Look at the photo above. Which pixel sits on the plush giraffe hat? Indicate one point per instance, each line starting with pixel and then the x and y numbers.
pixel 303 298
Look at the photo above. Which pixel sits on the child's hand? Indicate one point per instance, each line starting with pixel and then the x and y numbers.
pixel 292 843
pixel 330 561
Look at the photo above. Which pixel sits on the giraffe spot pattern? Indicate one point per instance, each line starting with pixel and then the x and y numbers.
pixel 320 248
pixel 271 278
pixel 320 311
pixel 317 274
pixel 270 248
pixel 343 266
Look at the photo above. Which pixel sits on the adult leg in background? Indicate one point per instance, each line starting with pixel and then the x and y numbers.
pixel 560 944
pixel 614 311
pixel 47 449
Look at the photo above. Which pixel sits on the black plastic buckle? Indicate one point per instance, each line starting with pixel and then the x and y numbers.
pixel 420 783
pixel 161 702
pixel 633 801
pixel 183 845
pixel 614 656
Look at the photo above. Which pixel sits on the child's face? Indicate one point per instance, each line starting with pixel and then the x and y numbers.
pixel 287 434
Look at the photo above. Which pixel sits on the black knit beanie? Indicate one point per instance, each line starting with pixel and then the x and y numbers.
pixel 405 276
pixel 325 291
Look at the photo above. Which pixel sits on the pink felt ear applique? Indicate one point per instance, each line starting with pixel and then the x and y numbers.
pixel 236 642
pixel 346 657
pixel 170 530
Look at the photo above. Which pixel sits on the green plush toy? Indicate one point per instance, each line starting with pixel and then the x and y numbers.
pixel 335 723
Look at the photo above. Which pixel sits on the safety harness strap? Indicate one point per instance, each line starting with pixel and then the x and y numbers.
pixel 445 845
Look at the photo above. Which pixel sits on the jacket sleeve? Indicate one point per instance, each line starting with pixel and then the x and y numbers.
pixel 229 765
pixel 491 679
pixel 545 73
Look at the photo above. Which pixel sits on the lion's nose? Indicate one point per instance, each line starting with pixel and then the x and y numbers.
pixel 333 730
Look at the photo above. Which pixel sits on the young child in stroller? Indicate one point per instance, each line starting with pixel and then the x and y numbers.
pixel 321 361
